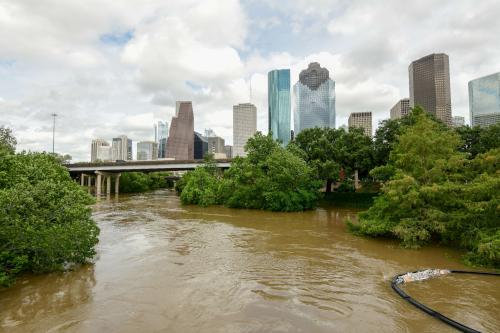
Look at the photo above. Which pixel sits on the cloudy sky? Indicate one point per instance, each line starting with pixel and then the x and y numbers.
pixel 115 67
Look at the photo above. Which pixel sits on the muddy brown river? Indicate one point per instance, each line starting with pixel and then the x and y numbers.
pixel 164 267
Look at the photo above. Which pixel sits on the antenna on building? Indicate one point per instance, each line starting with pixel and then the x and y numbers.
pixel 54 115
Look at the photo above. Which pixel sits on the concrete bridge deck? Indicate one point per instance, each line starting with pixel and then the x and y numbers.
pixel 142 166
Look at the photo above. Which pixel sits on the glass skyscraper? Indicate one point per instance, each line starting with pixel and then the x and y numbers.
pixel 314 99
pixel 278 94
pixel 484 100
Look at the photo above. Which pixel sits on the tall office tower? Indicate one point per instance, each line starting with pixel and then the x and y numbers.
pixel 121 148
pixel 244 126
pixel 314 99
pixel 400 109
pixel 216 145
pixel 161 135
pixel 200 146
pixel 458 121
pixel 94 149
pixel 104 153
pixel 228 149
pixel 484 100
pixel 180 142
pixel 430 85
pixel 147 150
pixel 278 96
pixel 361 120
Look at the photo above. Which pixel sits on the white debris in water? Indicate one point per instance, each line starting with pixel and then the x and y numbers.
pixel 422 275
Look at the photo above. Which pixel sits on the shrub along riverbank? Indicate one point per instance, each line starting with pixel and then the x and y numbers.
pixel 45 217
pixel 136 182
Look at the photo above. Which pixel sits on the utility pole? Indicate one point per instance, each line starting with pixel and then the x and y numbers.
pixel 54 115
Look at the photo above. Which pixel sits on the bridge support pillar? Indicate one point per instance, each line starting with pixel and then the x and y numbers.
pixel 98 185
pixel 117 183
pixel 108 185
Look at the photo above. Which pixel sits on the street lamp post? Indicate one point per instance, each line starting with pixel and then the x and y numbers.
pixel 54 115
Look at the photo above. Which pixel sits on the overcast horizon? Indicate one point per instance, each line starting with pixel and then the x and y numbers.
pixel 109 68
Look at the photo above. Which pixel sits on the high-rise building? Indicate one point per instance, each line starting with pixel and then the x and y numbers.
pixel 430 85
pixel 200 146
pixel 361 120
pixel 278 95
pixel 400 109
pixel 458 121
pixel 180 142
pixel 209 133
pixel 228 149
pixel 96 150
pixel 314 99
pixel 147 150
pixel 161 135
pixel 484 100
pixel 216 145
pixel 244 126
pixel 121 148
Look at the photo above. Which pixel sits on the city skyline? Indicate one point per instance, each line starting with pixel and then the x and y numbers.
pixel 109 78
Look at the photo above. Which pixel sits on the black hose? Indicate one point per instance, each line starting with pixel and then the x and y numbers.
pixel 396 281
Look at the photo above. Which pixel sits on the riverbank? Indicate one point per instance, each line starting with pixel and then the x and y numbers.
pixel 361 200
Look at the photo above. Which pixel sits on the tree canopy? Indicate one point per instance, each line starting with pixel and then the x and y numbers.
pixel 436 193
pixel 7 141
pixel 45 218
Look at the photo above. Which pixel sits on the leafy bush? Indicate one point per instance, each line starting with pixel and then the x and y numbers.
pixel 45 218
pixel 136 182
pixel 269 178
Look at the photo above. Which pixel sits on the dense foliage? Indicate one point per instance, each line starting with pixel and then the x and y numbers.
pixel 135 182
pixel 45 219
pixel 270 178
pixel 478 140
pixel 435 193
pixel 334 153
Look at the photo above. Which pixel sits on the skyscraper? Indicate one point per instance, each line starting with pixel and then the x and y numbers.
pixel 244 126
pixel 229 151
pixel 361 120
pixel 458 121
pixel 314 99
pixel 400 109
pixel 216 145
pixel 121 148
pixel 484 100
pixel 161 135
pixel 180 142
pixel 430 85
pixel 278 95
pixel 200 146
pixel 96 150
pixel 147 150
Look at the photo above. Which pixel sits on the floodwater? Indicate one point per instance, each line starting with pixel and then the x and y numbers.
pixel 163 267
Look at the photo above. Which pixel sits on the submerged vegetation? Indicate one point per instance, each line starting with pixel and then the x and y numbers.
pixel 269 178
pixel 437 191
pixel 135 182
pixel 45 218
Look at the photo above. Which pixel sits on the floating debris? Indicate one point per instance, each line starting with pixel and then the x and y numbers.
pixel 421 275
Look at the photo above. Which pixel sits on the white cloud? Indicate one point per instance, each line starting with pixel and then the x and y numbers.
pixel 53 58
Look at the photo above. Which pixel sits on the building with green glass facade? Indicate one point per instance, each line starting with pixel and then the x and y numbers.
pixel 279 112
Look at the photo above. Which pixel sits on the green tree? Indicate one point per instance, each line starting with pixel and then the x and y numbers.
pixel 134 182
pixel 7 141
pixel 436 193
pixel 270 178
pixel 45 218
pixel 477 140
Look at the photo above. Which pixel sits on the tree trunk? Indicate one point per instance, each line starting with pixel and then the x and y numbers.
pixel 329 186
